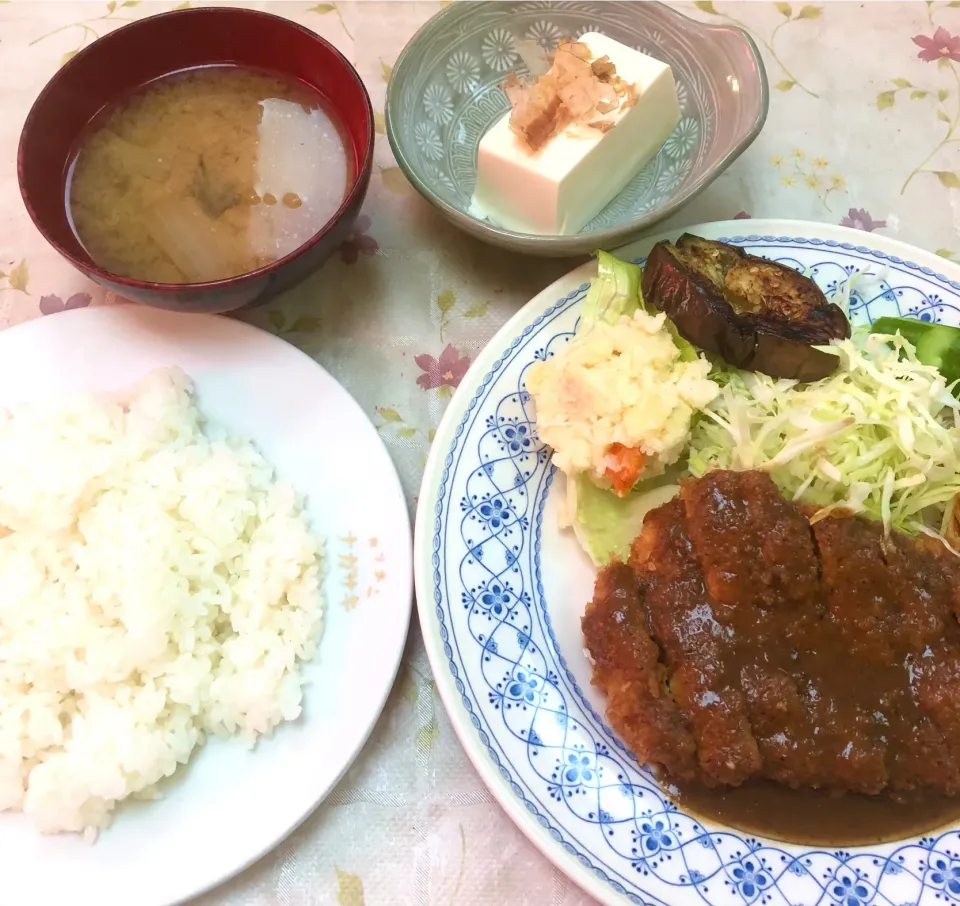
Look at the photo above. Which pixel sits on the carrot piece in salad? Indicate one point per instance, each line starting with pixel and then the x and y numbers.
pixel 626 465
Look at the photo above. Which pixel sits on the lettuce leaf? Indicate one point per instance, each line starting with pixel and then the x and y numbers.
pixel 614 293
pixel 688 352
pixel 605 524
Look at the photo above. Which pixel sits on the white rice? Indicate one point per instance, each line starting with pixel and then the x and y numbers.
pixel 156 585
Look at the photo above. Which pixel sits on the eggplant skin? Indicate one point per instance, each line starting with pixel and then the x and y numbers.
pixel 756 314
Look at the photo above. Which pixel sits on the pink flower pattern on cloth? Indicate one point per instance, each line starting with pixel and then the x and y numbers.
pixel 860 219
pixel 51 305
pixel 358 242
pixel 942 46
pixel 446 371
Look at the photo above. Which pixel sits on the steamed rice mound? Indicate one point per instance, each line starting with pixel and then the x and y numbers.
pixel 156 585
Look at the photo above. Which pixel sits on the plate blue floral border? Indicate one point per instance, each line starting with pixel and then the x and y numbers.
pixel 549 746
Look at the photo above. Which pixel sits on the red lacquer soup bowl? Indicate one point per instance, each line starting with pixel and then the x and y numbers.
pixel 128 58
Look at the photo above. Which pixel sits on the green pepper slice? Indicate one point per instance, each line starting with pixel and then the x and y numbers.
pixel 935 344
pixel 909 328
pixel 940 347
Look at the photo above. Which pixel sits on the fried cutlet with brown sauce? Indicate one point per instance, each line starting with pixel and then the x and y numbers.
pixel 763 646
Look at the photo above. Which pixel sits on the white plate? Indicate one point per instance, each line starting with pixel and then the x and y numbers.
pixel 231 805
pixel 501 591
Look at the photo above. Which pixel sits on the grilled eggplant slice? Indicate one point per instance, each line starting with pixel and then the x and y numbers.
pixel 756 314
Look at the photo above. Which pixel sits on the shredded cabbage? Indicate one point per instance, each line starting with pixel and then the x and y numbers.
pixel 880 436
pixel 844 294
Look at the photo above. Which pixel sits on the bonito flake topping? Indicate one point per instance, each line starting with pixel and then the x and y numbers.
pixel 576 89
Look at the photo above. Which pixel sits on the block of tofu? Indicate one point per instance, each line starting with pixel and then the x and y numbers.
pixel 559 188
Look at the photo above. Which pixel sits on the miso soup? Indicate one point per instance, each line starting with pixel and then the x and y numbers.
pixel 206 174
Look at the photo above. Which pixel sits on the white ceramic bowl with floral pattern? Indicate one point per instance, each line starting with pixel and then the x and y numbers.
pixel 444 95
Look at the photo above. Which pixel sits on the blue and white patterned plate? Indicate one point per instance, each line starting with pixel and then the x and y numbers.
pixel 501 591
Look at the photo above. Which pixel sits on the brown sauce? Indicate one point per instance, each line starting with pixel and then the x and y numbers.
pixel 815 817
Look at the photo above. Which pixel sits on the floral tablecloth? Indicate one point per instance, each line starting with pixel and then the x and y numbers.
pixel 863 131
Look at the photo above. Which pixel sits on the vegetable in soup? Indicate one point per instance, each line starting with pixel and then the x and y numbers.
pixel 206 174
